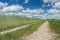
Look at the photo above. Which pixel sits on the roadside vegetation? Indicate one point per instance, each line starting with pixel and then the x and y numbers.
pixel 55 27
pixel 17 35
pixel 11 21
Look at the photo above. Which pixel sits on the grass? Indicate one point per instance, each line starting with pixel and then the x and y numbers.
pixel 22 32
pixel 55 27
pixel 8 22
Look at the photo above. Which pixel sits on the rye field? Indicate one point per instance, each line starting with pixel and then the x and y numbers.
pixel 10 22
pixel 55 27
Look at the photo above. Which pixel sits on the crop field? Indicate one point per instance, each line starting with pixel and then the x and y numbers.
pixel 8 22
pixel 55 27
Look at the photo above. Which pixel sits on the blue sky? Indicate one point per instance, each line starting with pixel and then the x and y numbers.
pixel 45 9
pixel 31 4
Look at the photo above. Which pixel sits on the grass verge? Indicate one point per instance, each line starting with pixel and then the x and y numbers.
pixel 9 22
pixel 55 27
pixel 22 32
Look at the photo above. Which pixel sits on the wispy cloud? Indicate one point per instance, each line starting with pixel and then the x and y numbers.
pixel 26 1
pixel 52 13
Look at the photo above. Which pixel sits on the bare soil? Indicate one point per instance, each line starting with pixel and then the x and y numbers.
pixel 43 33
pixel 12 30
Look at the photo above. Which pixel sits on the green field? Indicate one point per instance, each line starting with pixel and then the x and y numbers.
pixel 8 22
pixel 55 27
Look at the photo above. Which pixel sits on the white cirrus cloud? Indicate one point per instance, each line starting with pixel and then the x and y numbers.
pixel 52 13
pixel 35 11
pixel 45 1
pixel 26 1
pixel 3 4
pixel 12 8
pixel 57 5
pixel 55 11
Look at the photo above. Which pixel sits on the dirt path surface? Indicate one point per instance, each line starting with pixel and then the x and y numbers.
pixel 43 33
pixel 14 29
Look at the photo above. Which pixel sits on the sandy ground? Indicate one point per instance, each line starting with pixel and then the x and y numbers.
pixel 43 33
pixel 14 29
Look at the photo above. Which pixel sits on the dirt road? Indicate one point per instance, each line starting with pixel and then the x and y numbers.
pixel 43 33
pixel 14 29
